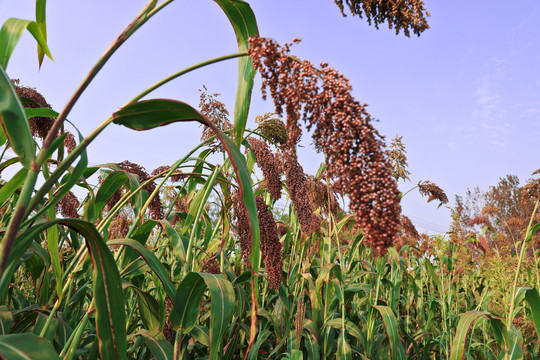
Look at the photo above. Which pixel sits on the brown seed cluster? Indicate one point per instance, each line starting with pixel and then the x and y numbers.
pixel 168 329
pixel 120 226
pixel 217 113
pixel 320 197
pixel 408 227
pixel 434 192
pixel 175 176
pixel 490 210
pixel 270 245
pixel 242 227
pixel 155 208
pixel 355 154
pixel 69 142
pixel 39 126
pixel 272 128
pixel 68 205
pixel 211 266
pixel 399 159
pixel 299 193
pixel 478 220
pixel 403 15
pixel 268 164
pixel 299 320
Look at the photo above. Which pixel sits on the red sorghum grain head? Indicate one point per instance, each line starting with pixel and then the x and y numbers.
pixel 155 208
pixel 408 227
pixel 403 15
pixel 69 142
pixel 242 227
pixel 211 266
pixel 39 126
pixel 356 160
pixel 320 197
pixel 119 226
pixel 267 162
pixel 299 193
pixel 270 245
pixel 68 205
pixel 490 210
pixel 478 220
pixel 434 192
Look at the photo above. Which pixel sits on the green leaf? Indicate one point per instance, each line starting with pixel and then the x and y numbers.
pixel 108 295
pixel 41 17
pixel 6 320
pixel 108 187
pixel 179 243
pixel 245 25
pixel 160 347
pixel 186 306
pixel 26 346
pixel 465 322
pixel 14 122
pixel 343 349
pixel 350 327
pixel 152 261
pixel 11 33
pixel 149 310
pixel 533 299
pixel 12 185
pixel 390 323
pixel 261 338
pixel 149 114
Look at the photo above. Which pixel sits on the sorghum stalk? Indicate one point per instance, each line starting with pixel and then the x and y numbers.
pixel 518 269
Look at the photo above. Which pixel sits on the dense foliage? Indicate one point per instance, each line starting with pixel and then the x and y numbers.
pixel 233 251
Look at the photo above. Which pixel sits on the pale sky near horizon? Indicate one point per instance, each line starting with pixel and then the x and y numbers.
pixel 465 95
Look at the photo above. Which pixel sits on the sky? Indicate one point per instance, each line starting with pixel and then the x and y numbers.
pixel 465 95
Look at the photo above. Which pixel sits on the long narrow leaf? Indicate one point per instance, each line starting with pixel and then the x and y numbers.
pixel 26 346
pixel 243 21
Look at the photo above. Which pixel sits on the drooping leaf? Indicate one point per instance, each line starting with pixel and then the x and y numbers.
pixel 465 322
pixel 533 299
pixel 10 34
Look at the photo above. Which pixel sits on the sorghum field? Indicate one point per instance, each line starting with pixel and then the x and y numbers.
pixel 198 259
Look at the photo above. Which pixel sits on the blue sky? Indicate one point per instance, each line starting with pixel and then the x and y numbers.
pixel 465 95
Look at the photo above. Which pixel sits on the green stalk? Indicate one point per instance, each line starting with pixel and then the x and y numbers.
pixel 518 269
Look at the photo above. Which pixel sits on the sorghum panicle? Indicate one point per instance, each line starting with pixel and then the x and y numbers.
pixel 270 245
pixel 39 126
pixel 267 162
pixel 403 15
pixel 68 205
pixel 434 192
pixel 355 156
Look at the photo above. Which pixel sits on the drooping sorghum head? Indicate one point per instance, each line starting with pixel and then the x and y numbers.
pixel 321 197
pixel 403 15
pixel 267 162
pixel 39 126
pixel 120 226
pixel 242 227
pixel 356 159
pixel 434 192
pixel 408 227
pixel 68 205
pixel 299 193
pixel 69 142
pixel 270 245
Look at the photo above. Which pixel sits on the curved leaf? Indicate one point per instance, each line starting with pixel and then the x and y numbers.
pixel 533 299
pixel 160 347
pixel 390 323
pixel 10 34
pixel 243 21
pixel 152 262
pixel 26 346
pixel 465 322
pixel 186 306
pixel 108 295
